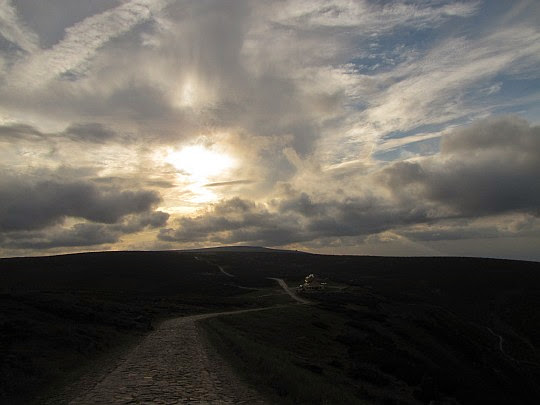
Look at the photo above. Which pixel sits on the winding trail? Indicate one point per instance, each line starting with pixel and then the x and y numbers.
pixel 293 295
pixel 501 340
pixel 225 272
pixel 173 365
pixel 217 265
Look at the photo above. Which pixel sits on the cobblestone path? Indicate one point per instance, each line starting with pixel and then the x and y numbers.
pixel 173 365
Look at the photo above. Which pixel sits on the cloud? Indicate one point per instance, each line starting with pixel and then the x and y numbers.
pixel 13 30
pixel 510 135
pixel 83 39
pixel 369 15
pixel 64 213
pixel 315 100
pixel 294 219
pixel 504 226
pixel 439 86
pixel 36 205
pixel 49 20
pixel 484 169
pixel 136 223
pixel 17 132
pixel 82 234
pixel 235 220
pixel 90 132
pixel 427 90
pixel 229 183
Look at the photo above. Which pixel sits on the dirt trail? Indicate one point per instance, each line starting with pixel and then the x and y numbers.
pixel 293 295
pixel 173 365
pixel 224 272
pixel 501 340
pixel 217 265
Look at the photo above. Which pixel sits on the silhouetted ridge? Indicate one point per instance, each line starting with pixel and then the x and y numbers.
pixel 248 249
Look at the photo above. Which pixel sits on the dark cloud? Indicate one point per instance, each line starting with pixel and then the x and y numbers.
pixel 520 225
pixel 488 168
pixel 132 182
pixel 509 134
pixel 294 219
pixel 34 208
pixel 83 234
pixel 302 204
pixel 236 220
pixel 351 216
pixel 89 132
pixel 20 131
pixel 28 205
pixel 229 183
pixel 156 219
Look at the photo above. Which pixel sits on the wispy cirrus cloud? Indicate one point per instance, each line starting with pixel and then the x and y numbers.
pixel 82 40
pixel 12 29
pixel 369 16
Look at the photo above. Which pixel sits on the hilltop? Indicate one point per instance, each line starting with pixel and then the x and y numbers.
pixel 239 249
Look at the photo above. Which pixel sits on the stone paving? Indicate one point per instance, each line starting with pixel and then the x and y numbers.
pixel 173 365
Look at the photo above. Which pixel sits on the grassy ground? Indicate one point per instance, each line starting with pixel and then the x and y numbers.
pixel 60 314
pixel 356 346
pixel 397 331
pixel 285 352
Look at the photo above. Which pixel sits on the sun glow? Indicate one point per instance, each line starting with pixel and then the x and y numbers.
pixel 186 95
pixel 200 163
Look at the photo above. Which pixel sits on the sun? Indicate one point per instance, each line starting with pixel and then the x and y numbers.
pixel 199 162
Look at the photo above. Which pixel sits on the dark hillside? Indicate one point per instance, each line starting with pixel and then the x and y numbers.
pixel 60 312
pixel 403 330
pixel 485 290
pixel 158 273
pixel 237 249
pixel 392 330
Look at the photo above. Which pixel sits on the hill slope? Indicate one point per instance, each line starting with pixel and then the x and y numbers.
pixel 388 330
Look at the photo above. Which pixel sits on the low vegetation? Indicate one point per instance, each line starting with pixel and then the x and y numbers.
pixel 60 313
pixel 401 332
pixel 285 352
pixel 386 330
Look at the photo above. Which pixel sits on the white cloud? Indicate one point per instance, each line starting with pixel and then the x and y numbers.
pixel 13 30
pixel 439 87
pixel 82 40
pixel 367 16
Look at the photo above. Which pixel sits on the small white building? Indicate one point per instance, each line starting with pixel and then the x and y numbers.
pixel 311 283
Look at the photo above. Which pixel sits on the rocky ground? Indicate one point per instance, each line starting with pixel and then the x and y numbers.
pixel 173 365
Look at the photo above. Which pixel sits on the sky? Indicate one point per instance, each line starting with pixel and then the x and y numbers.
pixel 370 127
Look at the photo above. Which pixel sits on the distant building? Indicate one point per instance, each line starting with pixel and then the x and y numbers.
pixel 311 283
